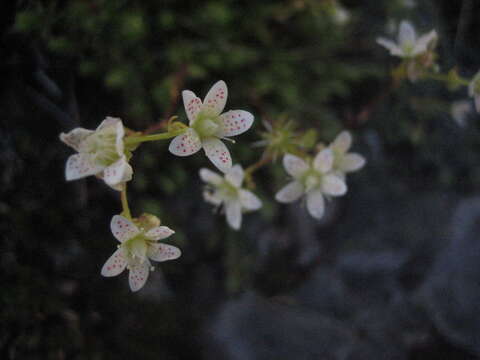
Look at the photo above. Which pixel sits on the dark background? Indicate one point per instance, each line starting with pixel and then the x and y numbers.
pixel 391 272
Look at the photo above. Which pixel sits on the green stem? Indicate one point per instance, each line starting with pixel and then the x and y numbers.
pixel 446 78
pixel 155 137
pixel 126 209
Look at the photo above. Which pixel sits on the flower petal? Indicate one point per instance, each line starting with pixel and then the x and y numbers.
pixel 235 176
pixel 316 204
pixel 406 33
pixel 119 145
pixel 333 185
pixel 342 142
pixel 294 165
pixel 351 162
pixel 138 275
pixel 185 144
pixel 425 42
pixel 235 122
pixel 290 193
pixel 79 166
pixel 159 233
pixel 109 121
pixel 233 211
pixel 192 104
pixel 216 98
pixel 163 252
pixel 118 173
pixel 323 160
pixel 249 200
pixel 115 264
pixel 218 153
pixel 75 137
pixel 212 197
pixel 122 228
pixel 394 49
pixel 210 177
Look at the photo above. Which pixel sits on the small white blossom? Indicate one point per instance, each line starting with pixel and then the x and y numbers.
pixel 474 90
pixel 227 191
pixel 343 161
pixel 341 16
pixel 460 110
pixel 314 179
pixel 408 45
pixel 137 247
pixel 100 153
pixel 207 125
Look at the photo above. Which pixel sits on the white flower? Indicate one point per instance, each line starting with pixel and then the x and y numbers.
pixel 208 125
pixel 137 246
pixel 340 15
pixel 460 110
pixel 474 90
pixel 344 161
pixel 313 179
pixel 100 152
pixel 408 45
pixel 227 190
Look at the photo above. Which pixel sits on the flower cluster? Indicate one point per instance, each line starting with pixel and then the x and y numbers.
pixel 105 153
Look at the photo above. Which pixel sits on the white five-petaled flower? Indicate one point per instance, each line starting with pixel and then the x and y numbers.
pixel 227 190
pixel 100 152
pixel 474 90
pixel 408 45
pixel 136 248
pixel 314 179
pixel 344 161
pixel 207 125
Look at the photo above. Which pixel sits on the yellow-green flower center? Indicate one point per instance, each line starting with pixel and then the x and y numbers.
pixel 206 124
pixel 135 248
pixel 101 146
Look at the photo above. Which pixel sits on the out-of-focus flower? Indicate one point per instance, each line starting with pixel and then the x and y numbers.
pixel 138 245
pixel 474 90
pixel 408 44
pixel 460 110
pixel 343 161
pixel 340 15
pixel 100 153
pixel 227 191
pixel 314 179
pixel 208 125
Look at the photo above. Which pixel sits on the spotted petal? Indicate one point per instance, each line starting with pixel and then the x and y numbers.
pixel 233 211
pixel 294 165
pixel 192 104
pixel 316 204
pixel 75 137
pixel 323 160
pixel 115 264
pixel 351 162
pixel 216 98
pixel 210 177
pixel 79 166
pixel 163 252
pixel 185 144
pixel 235 176
pixel 333 185
pixel 290 193
pixel 118 173
pixel 342 142
pixel 218 153
pixel 138 275
pixel 249 200
pixel 159 233
pixel 235 122
pixel 122 228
